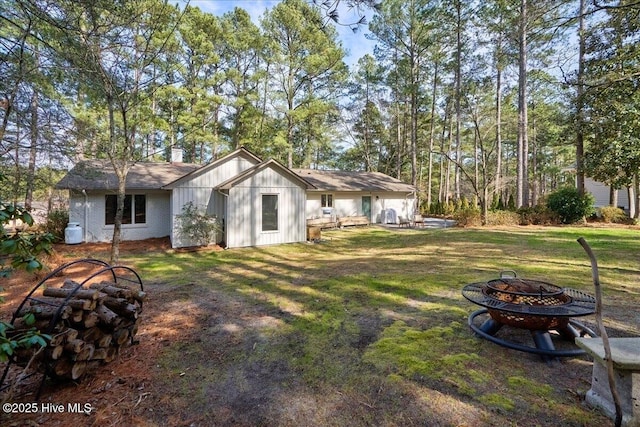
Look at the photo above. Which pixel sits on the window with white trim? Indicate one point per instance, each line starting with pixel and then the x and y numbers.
pixel 326 200
pixel 269 212
pixel 135 209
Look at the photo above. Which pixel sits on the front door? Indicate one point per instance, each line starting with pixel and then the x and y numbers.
pixel 366 206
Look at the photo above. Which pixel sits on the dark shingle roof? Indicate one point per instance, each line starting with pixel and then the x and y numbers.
pixel 99 175
pixel 353 181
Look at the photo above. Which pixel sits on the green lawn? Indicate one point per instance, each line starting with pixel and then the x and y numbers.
pixel 369 328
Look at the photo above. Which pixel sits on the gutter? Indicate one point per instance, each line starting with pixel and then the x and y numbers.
pixel 415 199
pixel 86 214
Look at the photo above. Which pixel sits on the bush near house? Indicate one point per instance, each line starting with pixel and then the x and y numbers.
pixel 611 214
pixel 57 221
pixel 198 226
pixel 570 206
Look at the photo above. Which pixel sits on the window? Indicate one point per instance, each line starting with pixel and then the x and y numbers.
pixel 269 212
pixel 326 200
pixel 135 209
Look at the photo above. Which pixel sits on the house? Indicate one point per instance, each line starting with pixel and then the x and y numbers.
pixel 377 196
pixel 602 194
pixel 257 202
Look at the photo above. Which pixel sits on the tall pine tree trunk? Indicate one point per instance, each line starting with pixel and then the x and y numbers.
pixel 458 95
pixel 498 178
pixel 31 169
pixel 580 102
pixel 522 190
pixel 432 127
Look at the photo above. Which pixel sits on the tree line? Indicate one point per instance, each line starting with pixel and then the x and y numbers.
pixel 492 100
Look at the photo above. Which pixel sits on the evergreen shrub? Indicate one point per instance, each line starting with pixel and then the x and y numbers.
pixel 569 205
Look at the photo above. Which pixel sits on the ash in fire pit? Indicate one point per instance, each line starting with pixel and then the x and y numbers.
pixel 533 305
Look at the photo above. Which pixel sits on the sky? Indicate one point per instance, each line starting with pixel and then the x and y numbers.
pixel 355 43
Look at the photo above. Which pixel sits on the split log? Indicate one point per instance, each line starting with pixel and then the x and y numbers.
pixel 74 303
pixel 76 316
pixel 86 353
pixel 78 369
pixel 107 316
pixel 68 369
pixel 45 312
pixel 105 341
pixel 61 368
pixel 90 319
pixel 90 294
pixel 20 326
pixel 56 351
pixel 112 291
pixel 63 337
pixel 74 346
pixel 136 294
pixel 92 334
pixel 112 352
pixel 121 306
pixel 99 354
pixel 120 336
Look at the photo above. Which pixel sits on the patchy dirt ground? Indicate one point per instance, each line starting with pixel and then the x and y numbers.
pixel 136 390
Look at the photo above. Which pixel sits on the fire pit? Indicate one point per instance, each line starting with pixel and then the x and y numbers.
pixel 533 305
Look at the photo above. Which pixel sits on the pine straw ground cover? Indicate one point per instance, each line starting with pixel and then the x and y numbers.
pixel 367 327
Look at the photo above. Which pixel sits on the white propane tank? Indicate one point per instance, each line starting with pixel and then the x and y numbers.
pixel 73 233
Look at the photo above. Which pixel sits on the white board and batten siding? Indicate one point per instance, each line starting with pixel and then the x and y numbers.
pixel 244 210
pixel 601 194
pixel 89 212
pixel 350 204
pixel 198 189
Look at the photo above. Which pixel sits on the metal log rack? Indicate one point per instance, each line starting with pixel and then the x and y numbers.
pixel 119 274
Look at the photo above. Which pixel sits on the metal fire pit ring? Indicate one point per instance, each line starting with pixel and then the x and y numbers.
pixel 580 303
pixel 542 339
pixel 536 306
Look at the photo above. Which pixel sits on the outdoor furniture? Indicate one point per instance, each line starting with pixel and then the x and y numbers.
pixel 323 223
pixel 418 220
pixel 347 221
pixel 403 221
pixel 625 355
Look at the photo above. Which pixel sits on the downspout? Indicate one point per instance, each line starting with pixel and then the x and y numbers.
pixel 413 210
pixel 86 214
pixel 226 218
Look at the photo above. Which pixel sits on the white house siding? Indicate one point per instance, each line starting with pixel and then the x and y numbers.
pixel 350 204
pixel 244 220
pixel 600 192
pixel 89 212
pixel 199 191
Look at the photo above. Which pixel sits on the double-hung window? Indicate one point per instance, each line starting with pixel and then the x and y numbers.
pixel 135 209
pixel 326 200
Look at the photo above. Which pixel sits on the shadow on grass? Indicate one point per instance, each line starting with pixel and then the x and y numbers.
pixel 367 328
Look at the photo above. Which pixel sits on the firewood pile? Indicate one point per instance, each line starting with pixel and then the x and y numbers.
pixel 88 321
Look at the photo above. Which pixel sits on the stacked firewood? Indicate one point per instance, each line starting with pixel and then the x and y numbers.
pixel 90 324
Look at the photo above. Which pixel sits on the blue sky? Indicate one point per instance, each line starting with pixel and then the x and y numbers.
pixel 356 44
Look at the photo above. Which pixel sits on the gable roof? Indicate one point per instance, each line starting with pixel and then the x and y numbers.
pixel 226 185
pixel 99 175
pixel 353 181
pixel 240 152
